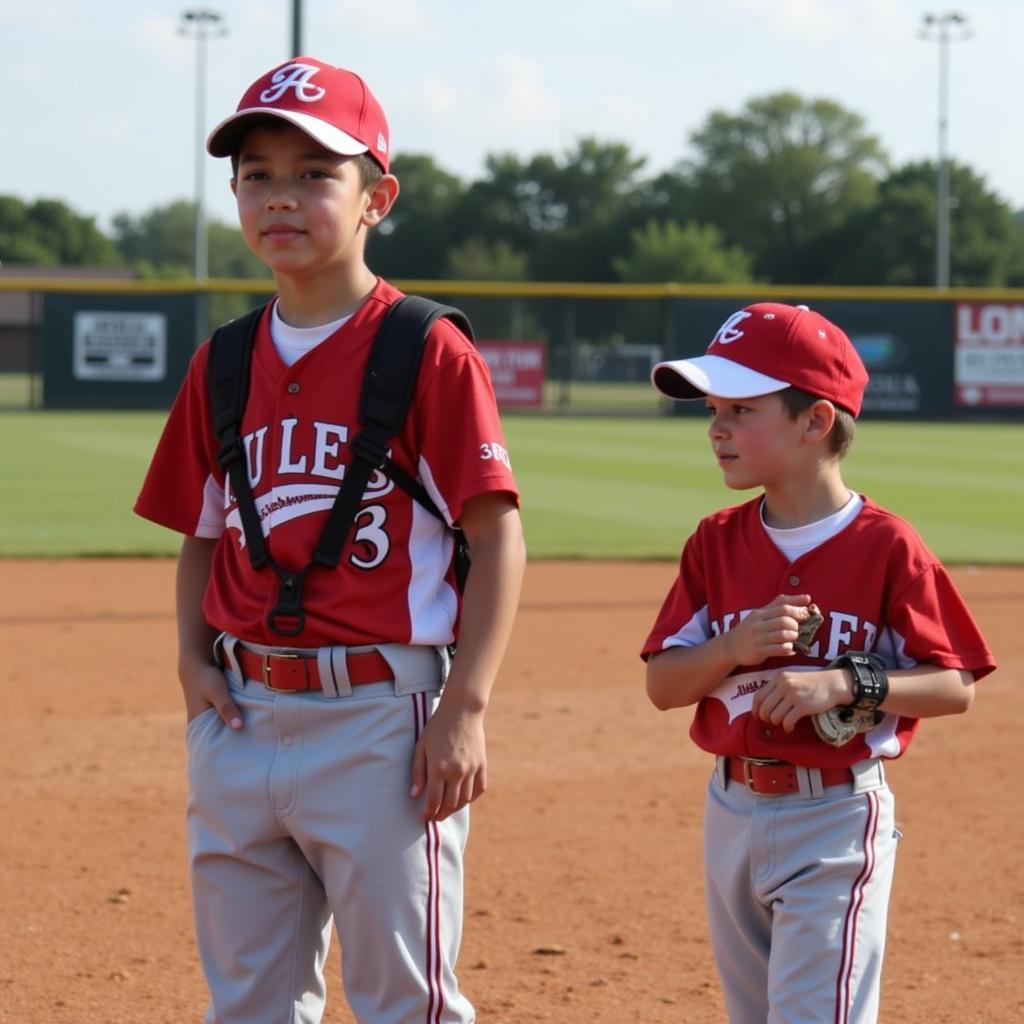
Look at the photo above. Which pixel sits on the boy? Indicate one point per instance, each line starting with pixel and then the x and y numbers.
pixel 767 629
pixel 326 774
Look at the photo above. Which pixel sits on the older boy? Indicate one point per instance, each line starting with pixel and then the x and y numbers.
pixel 329 773
pixel 812 629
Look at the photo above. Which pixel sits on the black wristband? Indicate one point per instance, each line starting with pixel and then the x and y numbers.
pixel 870 683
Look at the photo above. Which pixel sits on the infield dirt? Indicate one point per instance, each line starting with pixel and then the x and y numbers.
pixel 584 899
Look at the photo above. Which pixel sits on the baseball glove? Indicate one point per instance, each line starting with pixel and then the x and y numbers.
pixel 840 724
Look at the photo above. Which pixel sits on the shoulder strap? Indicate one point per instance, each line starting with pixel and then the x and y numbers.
pixel 228 381
pixel 388 385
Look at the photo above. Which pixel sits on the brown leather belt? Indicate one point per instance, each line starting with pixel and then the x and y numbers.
pixel 770 778
pixel 294 672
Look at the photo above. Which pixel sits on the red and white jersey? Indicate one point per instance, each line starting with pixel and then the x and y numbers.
pixel 394 583
pixel 879 589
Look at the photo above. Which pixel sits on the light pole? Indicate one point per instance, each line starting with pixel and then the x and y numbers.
pixel 948 27
pixel 296 28
pixel 201 24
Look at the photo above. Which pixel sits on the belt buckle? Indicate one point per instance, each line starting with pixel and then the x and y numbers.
pixel 267 669
pixel 760 762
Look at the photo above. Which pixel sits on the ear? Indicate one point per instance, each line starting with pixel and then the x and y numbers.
pixel 380 198
pixel 234 186
pixel 819 420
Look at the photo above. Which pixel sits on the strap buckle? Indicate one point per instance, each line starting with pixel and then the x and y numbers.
pixel 370 450
pixel 230 452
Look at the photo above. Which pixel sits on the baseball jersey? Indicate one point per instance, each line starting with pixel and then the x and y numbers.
pixel 394 583
pixel 879 589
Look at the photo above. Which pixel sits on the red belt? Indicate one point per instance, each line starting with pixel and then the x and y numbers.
pixel 294 672
pixel 769 778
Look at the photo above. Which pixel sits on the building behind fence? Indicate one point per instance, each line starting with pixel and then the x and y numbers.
pixel 90 342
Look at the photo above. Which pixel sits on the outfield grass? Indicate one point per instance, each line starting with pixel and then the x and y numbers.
pixel 592 487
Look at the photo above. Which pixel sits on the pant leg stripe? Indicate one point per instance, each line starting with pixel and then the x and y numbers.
pixel 843 981
pixel 432 846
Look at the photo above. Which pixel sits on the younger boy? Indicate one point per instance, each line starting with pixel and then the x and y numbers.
pixel 327 773
pixel 799 837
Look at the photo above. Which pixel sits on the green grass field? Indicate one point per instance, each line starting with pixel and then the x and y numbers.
pixel 592 487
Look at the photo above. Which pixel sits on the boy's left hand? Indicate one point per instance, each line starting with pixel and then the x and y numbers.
pixel 449 765
pixel 790 696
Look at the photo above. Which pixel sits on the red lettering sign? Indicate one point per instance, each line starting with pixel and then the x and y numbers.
pixel 518 369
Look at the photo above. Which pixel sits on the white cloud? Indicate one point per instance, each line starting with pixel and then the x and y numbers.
pixel 520 94
pixel 61 16
pixel 654 8
pixel 158 35
pixel 436 95
pixel 817 20
pixel 381 22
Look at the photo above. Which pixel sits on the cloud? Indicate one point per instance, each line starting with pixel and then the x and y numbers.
pixel 655 8
pixel 61 16
pixel 820 20
pixel 396 19
pixel 158 35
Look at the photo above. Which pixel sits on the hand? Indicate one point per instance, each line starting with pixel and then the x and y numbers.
pixel 204 686
pixel 450 762
pixel 769 632
pixel 790 696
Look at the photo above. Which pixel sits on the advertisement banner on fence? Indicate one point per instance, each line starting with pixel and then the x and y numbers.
pixel 517 371
pixel 989 354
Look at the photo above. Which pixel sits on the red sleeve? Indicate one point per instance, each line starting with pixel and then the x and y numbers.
pixel 183 490
pixel 932 621
pixel 683 619
pixel 461 441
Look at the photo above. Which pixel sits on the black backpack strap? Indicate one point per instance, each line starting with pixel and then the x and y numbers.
pixel 228 380
pixel 388 385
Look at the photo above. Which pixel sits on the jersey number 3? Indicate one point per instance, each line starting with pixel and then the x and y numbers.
pixel 369 532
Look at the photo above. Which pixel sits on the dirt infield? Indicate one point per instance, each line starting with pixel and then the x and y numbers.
pixel 584 898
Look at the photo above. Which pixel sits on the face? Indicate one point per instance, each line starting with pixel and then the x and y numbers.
pixel 303 209
pixel 755 441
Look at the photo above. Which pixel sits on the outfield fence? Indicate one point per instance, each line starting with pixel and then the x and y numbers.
pixel 553 347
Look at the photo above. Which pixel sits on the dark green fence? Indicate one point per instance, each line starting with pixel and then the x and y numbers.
pixel 957 354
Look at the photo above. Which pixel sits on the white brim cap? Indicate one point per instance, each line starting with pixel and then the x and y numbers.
pixel 712 375
pixel 222 141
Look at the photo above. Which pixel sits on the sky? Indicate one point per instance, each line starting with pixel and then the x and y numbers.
pixel 99 96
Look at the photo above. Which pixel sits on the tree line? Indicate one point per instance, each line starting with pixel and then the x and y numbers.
pixel 788 190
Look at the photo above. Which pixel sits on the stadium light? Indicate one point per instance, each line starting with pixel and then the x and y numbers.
pixel 296 28
pixel 948 27
pixel 201 24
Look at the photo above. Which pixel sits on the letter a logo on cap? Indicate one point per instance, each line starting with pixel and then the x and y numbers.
pixel 294 76
pixel 729 332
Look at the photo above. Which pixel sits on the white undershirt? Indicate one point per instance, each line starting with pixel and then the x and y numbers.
pixel 801 539
pixel 294 342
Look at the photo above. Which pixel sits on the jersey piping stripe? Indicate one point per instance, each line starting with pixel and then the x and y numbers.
pixel 432 845
pixel 843 1000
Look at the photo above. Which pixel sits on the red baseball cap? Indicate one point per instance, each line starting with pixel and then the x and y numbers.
pixel 330 104
pixel 765 348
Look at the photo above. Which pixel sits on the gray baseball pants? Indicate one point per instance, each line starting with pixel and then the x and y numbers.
pixel 797 891
pixel 304 816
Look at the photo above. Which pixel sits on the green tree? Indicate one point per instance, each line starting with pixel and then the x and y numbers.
pixel 49 233
pixel 413 241
pixel 160 243
pixel 478 260
pixel 782 174
pixel 667 251
pixel 569 214
pixel 893 241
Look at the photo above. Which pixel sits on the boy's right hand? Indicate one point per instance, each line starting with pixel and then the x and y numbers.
pixel 769 632
pixel 204 686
